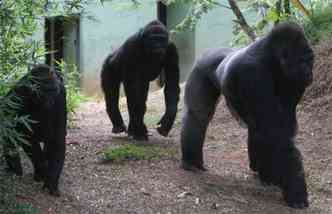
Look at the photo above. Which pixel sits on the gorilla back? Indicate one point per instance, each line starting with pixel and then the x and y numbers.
pixel 42 97
pixel 262 85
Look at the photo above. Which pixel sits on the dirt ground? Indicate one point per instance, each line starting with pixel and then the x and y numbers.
pixel 89 185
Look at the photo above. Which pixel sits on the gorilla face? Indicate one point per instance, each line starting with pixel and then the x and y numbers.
pixel 297 63
pixel 47 86
pixel 294 54
pixel 155 40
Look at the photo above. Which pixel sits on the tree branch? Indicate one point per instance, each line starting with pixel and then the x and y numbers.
pixel 241 20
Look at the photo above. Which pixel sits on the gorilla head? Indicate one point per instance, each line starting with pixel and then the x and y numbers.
pixel 293 53
pixel 47 85
pixel 155 39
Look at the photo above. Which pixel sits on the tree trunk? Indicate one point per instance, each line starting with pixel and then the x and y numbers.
pixel 287 7
pixel 278 9
pixel 241 20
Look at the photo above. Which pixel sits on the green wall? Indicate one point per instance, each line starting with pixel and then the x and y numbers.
pixel 215 27
pixel 213 30
pixel 111 25
pixel 113 22
pixel 185 41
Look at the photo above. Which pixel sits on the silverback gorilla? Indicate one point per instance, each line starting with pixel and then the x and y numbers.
pixel 262 85
pixel 138 61
pixel 41 96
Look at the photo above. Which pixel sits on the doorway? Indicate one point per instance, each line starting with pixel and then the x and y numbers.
pixel 62 40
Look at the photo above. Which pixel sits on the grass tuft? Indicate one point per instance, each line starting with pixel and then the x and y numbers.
pixel 137 152
pixel 8 202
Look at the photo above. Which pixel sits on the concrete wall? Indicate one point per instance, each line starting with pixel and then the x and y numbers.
pixel 213 30
pixel 215 27
pixel 113 24
pixel 115 21
pixel 185 41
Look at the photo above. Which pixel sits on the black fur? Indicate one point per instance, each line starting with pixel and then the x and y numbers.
pixel 141 59
pixel 41 96
pixel 262 85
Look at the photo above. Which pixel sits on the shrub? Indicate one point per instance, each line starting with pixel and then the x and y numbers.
pixel 320 24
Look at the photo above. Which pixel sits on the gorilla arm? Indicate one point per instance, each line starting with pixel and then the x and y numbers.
pixel 171 90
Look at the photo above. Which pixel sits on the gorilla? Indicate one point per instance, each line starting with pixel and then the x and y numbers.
pixel 262 85
pixel 141 59
pixel 40 95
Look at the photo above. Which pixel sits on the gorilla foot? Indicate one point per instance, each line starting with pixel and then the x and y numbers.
pixel 268 180
pixel 162 131
pixel 40 173
pixel 52 190
pixel 253 167
pixel 138 135
pixel 298 201
pixel 54 193
pixel 119 129
pixel 295 194
pixel 192 166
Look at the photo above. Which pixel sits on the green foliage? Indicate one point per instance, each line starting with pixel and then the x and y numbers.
pixel 268 14
pixel 136 152
pixel 320 24
pixel 197 9
pixel 19 20
pixel 17 23
pixel 73 94
pixel 8 199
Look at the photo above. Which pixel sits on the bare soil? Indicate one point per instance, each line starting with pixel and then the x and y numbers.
pixel 160 186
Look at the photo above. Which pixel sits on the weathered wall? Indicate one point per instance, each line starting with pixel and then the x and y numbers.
pixel 113 23
pixel 185 41
pixel 215 27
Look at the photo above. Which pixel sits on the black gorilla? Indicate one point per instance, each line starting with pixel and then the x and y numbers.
pixel 262 85
pixel 138 61
pixel 41 96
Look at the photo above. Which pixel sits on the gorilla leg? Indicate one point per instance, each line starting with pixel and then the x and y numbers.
pixel 37 158
pixel 137 93
pixel 200 99
pixel 260 156
pixel 192 139
pixel 12 158
pixel 55 153
pixel 111 91
pixel 252 150
pixel 287 166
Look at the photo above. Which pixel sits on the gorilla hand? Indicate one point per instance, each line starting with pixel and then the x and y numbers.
pixel 165 124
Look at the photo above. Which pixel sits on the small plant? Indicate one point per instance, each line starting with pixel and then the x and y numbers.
pixel 319 25
pixel 73 94
pixel 8 202
pixel 136 152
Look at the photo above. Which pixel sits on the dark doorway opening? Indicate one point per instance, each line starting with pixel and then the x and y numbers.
pixel 162 12
pixel 62 40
